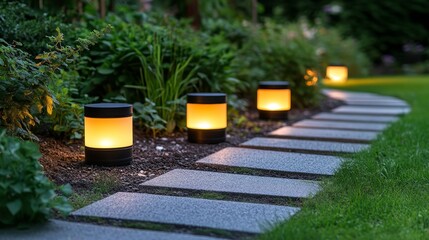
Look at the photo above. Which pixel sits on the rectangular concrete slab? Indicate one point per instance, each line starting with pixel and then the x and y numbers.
pixel 324 134
pixel 371 110
pixel 356 96
pixel 342 95
pixel 274 160
pixel 309 123
pixel 378 103
pixel 216 214
pixel 234 183
pixel 54 230
pixel 355 118
pixel 293 145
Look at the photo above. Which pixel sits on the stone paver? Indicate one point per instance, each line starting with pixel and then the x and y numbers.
pixel 55 230
pixel 380 103
pixel 226 215
pixel 355 118
pixel 274 160
pixel 370 110
pixel 323 147
pixel 324 134
pixel 309 123
pixel 234 183
pixel 357 96
pixel 342 95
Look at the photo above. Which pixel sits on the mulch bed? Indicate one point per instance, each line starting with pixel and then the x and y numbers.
pixel 63 161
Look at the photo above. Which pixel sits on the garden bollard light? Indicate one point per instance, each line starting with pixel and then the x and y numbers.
pixel 206 117
pixel 108 134
pixel 273 100
pixel 337 73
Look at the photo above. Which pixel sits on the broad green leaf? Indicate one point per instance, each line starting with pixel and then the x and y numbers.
pixel 14 207
pixel 105 71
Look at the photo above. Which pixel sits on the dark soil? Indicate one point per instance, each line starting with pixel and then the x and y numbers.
pixel 64 162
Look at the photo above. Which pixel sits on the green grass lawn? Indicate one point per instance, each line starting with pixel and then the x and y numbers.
pixel 382 193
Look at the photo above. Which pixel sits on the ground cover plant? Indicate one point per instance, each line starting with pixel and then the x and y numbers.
pixel 380 193
pixel 26 194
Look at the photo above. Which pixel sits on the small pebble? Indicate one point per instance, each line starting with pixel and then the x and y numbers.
pixel 159 148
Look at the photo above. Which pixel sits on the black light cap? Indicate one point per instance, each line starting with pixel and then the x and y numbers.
pixel 206 98
pixel 274 85
pixel 108 110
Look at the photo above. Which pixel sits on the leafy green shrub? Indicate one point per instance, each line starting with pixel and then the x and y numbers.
pixel 19 22
pixel 23 89
pixel 333 48
pixel 116 62
pixel 26 195
pixel 147 116
pixel 276 52
pixel 24 84
pixel 159 61
pixel 63 62
pixel 234 32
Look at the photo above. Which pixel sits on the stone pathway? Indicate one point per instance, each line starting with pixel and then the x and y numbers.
pixel 261 167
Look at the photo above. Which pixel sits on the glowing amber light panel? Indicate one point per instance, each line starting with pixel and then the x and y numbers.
pixel 338 74
pixel 206 116
pixel 108 132
pixel 273 99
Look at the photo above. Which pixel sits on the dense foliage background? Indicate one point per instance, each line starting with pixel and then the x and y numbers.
pixel 158 51
pixel 154 55
pixel 393 33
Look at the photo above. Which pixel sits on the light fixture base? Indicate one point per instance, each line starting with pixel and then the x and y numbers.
pixel 109 157
pixel 206 136
pixel 273 115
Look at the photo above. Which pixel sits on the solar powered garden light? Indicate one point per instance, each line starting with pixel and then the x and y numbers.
pixel 108 134
pixel 206 117
pixel 337 73
pixel 273 100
